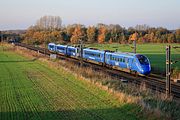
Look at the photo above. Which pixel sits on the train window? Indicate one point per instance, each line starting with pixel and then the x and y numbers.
pixel 51 46
pixel 119 60
pixel 60 48
pixel 123 60
pixel 142 59
pixel 110 57
pixel 71 50
pixel 134 60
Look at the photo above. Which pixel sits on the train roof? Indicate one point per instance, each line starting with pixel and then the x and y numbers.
pixel 51 44
pixel 71 46
pixel 94 50
pixel 61 45
pixel 122 53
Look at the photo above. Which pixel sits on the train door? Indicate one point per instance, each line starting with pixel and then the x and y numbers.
pixel 130 60
pixel 77 52
pixel 123 63
pixel 133 65
pixel 126 62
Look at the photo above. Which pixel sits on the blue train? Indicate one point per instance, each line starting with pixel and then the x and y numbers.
pixel 129 62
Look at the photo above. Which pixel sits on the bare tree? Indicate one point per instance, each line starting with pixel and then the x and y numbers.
pixel 49 22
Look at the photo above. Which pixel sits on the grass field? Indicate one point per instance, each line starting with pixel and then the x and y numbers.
pixel 31 90
pixel 155 52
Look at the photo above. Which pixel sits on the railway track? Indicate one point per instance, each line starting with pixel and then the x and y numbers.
pixel 154 82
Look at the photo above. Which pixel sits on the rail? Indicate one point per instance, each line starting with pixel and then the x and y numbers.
pixel 153 82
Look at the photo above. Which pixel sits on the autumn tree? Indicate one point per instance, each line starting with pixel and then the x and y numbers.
pixel 78 34
pixel 102 34
pixel 91 34
pixel 171 38
pixel 134 36
pixel 178 35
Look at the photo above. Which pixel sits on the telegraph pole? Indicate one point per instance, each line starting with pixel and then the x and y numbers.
pixel 1 36
pixel 134 37
pixel 81 52
pixel 135 46
pixel 168 71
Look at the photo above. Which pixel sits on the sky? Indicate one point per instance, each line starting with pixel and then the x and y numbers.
pixel 20 14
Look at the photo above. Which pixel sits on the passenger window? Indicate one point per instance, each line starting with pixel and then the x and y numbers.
pixel 123 60
pixel 134 60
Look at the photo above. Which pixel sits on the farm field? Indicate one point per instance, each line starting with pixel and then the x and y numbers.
pixel 30 89
pixel 155 52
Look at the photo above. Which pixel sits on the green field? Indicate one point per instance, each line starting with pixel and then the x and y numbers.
pixel 155 52
pixel 31 90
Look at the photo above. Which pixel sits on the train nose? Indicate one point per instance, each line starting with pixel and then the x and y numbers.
pixel 146 69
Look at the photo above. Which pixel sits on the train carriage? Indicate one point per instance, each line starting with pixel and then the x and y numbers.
pixel 94 55
pixel 73 51
pixel 61 49
pixel 119 59
pixel 128 62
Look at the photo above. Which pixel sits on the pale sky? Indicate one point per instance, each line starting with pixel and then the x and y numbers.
pixel 20 14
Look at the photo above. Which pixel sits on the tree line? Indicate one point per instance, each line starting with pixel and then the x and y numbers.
pixel 50 29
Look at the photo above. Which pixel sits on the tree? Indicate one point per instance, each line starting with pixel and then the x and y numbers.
pixel 141 27
pixel 115 32
pixel 171 38
pixel 78 34
pixel 102 34
pixel 49 23
pixel 178 35
pixel 91 34
pixel 134 36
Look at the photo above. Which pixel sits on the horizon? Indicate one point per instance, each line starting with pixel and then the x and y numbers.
pixel 19 14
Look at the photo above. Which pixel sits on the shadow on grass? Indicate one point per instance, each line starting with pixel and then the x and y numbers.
pixel 16 61
pixel 126 112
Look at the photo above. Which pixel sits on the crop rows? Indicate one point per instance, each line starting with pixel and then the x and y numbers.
pixel 32 90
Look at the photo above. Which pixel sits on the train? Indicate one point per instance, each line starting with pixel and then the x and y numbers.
pixel 124 61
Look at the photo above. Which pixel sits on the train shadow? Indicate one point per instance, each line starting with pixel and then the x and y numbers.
pixel 125 112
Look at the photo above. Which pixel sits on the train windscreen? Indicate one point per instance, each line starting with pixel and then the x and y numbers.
pixel 142 59
pixel 51 46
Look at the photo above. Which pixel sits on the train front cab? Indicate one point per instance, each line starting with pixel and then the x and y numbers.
pixel 143 64
pixel 52 47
